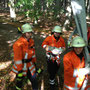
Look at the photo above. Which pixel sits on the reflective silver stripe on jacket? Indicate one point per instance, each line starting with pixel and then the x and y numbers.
pixel 31 67
pixel 25 66
pixel 71 88
pixel 18 62
pixel 52 82
pixel 24 73
pixel 14 70
pixel 33 56
pixel 44 46
pixel 15 66
pixel 31 63
pixel 57 56
pixel 33 70
pixel 26 56
pixel 85 84
pixel 48 56
pixel 75 73
pixel 58 61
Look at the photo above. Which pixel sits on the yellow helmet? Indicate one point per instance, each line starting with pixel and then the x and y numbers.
pixel 78 42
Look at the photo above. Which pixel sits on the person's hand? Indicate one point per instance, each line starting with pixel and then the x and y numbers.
pixel 49 48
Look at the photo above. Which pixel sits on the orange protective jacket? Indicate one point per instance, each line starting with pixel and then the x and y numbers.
pixel 24 50
pixel 71 62
pixel 51 41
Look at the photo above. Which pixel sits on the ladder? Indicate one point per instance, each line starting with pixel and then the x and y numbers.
pixel 78 8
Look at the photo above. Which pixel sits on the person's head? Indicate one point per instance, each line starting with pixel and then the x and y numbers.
pixel 78 44
pixel 57 31
pixel 27 30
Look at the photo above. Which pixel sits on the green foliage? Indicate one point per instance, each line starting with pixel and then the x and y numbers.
pixel 29 8
pixel 37 8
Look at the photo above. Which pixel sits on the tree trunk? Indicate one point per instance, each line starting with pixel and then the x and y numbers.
pixel 12 9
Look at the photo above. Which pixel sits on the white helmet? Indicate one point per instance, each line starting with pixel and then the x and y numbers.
pixel 78 42
pixel 57 29
pixel 26 28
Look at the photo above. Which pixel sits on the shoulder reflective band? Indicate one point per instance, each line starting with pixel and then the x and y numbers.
pixel 18 62
pixel 33 56
pixel 71 88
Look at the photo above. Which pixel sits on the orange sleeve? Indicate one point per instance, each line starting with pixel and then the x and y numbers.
pixel 33 49
pixel 17 52
pixel 68 68
pixel 31 43
pixel 34 57
pixel 18 55
pixel 45 42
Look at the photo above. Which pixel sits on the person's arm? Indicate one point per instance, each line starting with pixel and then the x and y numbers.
pixel 18 56
pixel 33 50
pixel 68 69
pixel 34 56
pixel 46 45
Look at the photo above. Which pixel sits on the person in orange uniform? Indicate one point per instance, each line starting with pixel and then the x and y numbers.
pixel 75 72
pixel 24 58
pixel 54 45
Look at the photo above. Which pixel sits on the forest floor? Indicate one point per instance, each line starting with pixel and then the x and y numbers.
pixel 8 35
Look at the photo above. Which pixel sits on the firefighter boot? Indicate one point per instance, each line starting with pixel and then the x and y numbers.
pixel 19 81
pixel 52 84
pixel 52 87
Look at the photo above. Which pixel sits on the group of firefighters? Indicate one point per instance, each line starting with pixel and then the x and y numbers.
pixel 75 72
